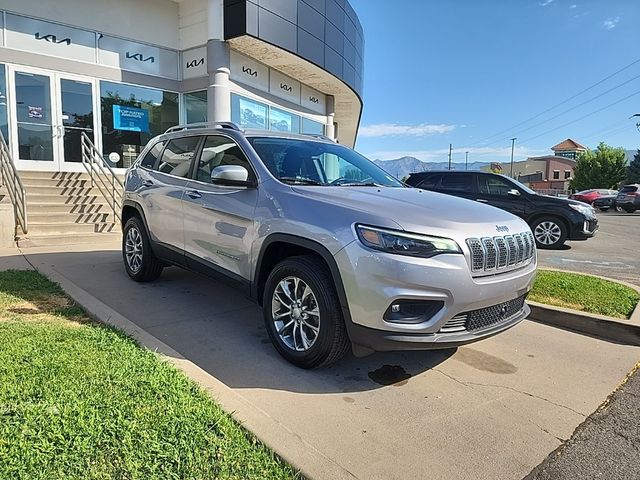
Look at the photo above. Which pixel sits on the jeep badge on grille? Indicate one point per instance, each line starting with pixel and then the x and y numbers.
pixel 502 228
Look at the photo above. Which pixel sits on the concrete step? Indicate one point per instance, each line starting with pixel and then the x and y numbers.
pixel 70 228
pixel 37 199
pixel 54 182
pixel 41 217
pixel 78 208
pixel 64 240
pixel 58 176
pixel 61 191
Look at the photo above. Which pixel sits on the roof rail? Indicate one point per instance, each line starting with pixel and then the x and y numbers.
pixel 320 137
pixel 188 126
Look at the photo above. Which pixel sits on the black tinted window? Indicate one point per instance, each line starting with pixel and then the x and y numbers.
pixel 219 151
pixel 176 158
pixel 152 155
pixel 457 183
pixel 629 189
pixel 430 182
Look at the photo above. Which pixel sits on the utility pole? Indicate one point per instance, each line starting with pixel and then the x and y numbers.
pixel 450 147
pixel 513 144
pixel 466 160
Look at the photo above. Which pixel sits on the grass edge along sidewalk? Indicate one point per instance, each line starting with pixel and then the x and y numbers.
pixel 82 400
pixel 585 293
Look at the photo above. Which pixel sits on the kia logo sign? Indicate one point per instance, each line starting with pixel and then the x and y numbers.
pixel 195 63
pixel 52 39
pixel 249 71
pixel 140 57
pixel 285 87
pixel 313 99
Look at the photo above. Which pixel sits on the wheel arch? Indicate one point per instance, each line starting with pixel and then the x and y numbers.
pixel 278 246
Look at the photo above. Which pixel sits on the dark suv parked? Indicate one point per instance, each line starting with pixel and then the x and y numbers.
pixel 552 220
pixel 629 198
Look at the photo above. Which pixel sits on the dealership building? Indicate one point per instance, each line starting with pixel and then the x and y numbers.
pixel 123 71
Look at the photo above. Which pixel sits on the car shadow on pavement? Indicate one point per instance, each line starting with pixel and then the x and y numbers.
pixel 217 327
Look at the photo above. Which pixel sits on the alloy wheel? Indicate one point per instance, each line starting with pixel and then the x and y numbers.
pixel 133 249
pixel 295 314
pixel 547 232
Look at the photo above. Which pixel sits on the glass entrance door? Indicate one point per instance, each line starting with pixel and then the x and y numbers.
pixel 50 112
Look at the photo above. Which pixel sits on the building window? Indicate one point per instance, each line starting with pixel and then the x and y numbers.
pixel 251 114
pixel 131 116
pixel 196 106
pixel 556 174
pixel 567 174
pixel 3 103
pixel 311 127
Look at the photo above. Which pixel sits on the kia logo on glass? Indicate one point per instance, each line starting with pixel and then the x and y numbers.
pixel 195 63
pixel 502 228
pixel 52 38
pixel 140 57
pixel 249 71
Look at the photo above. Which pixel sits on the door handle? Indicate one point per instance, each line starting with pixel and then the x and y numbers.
pixel 482 200
pixel 147 183
pixel 194 194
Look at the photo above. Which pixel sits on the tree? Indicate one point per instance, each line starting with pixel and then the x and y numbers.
pixel 604 167
pixel 633 170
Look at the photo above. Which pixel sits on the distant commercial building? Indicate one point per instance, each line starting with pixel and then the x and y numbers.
pixel 123 71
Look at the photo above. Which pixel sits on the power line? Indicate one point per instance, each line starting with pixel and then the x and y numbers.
pixel 558 104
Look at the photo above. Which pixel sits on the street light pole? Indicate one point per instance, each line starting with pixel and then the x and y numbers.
pixel 466 160
pixel 450 147
pixel 513 144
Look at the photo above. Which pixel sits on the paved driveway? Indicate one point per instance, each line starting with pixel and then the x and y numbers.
pixel 614 251
pixel 491 410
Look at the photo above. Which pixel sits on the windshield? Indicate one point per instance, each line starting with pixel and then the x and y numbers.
pixel 306 162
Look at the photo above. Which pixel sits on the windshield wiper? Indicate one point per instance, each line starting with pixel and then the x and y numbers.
pixel 360 184
pixel 301 181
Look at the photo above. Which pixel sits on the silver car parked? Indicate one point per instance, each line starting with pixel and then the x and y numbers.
pixel 336 251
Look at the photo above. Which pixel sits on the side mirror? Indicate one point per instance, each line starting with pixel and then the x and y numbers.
pixel 230 175
pixel 514 192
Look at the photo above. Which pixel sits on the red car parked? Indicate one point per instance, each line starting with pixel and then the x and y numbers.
pixel 589 196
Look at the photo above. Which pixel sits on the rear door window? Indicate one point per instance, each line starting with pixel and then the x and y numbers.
pixel 430 182
pixel 459 183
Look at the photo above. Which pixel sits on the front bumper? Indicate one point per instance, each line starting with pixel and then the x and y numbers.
pixel 373 281
pixel 584 229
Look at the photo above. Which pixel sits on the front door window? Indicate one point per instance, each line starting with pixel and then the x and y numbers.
pixel 77 116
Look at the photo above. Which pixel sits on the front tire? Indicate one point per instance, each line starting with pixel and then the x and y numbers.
pixel 629 209
pixel 549 232
pixel 139 261
pixel 302 313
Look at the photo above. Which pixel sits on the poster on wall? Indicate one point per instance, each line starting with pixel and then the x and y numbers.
pixel 252 115
pixel 130 119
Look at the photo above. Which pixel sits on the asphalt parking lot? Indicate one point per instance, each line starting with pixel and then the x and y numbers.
pixel 614 251
pixel 494 409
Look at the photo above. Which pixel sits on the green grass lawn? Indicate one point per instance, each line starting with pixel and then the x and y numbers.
pixel 82 401
pixel 583 292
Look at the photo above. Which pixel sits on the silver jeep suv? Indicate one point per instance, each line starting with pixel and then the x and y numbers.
pixel 336 251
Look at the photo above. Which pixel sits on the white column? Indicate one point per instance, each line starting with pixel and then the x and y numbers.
pixel 331 107
pixel 218 65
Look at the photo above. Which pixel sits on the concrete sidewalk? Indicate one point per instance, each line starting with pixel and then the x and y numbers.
pixel 492 410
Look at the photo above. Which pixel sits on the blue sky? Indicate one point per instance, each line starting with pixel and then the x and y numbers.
pixel 467 72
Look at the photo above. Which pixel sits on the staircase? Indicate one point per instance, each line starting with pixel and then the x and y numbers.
pixel 65 210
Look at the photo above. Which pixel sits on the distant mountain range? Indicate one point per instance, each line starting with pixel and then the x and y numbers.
pixel 401 167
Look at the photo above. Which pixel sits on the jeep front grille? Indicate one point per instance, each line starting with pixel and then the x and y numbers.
pixel 484 317
pixel 490 255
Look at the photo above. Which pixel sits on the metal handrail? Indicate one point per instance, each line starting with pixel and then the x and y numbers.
pixel 11 180
pixel 99 170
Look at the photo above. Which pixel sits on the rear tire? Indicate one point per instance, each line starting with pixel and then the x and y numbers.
pixel 549 232
pixel 302 313
pixel 629 209
pixel 139 261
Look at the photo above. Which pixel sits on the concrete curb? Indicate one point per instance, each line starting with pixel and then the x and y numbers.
pixel 600 326
pixel 288 445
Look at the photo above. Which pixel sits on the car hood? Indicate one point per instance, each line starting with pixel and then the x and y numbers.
pixel 418 210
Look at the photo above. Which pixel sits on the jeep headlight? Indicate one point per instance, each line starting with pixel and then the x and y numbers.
pixel 404 243
pixel 586 210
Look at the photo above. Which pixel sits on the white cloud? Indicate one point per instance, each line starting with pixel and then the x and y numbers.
pixel 388 129
pixel 573 6
pixel 480 154
pixel 611 23
pixel 544 3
